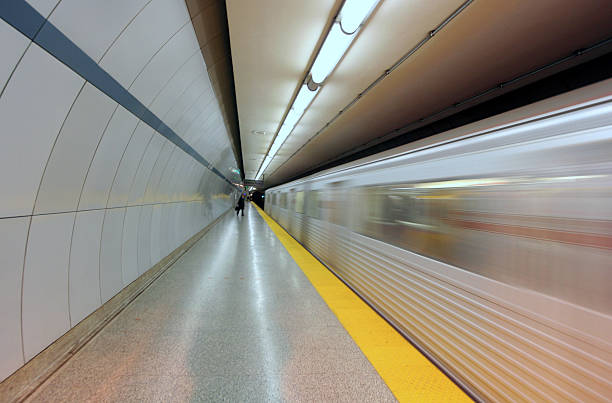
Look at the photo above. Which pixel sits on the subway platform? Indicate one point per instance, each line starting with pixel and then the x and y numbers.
pixel 237 319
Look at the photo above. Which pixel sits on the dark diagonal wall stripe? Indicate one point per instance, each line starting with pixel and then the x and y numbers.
pixel 22 17
pixel 28 21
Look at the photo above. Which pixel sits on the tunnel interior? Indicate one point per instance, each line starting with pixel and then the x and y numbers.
pixel 447 177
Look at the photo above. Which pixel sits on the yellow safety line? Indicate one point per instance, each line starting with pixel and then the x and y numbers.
pixel 408 374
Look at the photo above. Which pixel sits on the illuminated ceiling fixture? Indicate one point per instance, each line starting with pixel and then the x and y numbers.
pixel 343 31
pixel 334 47
pixel 354 13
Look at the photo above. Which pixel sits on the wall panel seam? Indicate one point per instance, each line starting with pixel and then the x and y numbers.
pixel 123 30
pixel 59 132
pixel 25 255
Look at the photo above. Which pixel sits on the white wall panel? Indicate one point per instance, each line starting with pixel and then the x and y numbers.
pixel 177 221
pixel 190 115
pixel 196 220
pixel 208 150
pixel 107 158
pixel 128 165
pixel 177 189
pixel 185 229
pixel 164 64
pixel 144 239
pixel 13 233
pixel 209 142
pixel 129 251
pixel 13 44
pixel 184 186
pixel 190 182
pixel 199 89
pixel 196 214
pixel 77 19
pixel 166 229
pixel 139 41
pixel 193 112
pixel 45 314
pixel 152 194
pixel 206 213
pixel 111 280
pixel 84 273
pixel 73 150
pixel 202 214
pixel 43 88
pixel 189 220
pixel 195 126
pixel 181 225
pixel 181 81
pixel 156 242
pixel 144 170
pixel 163 189
pixel 83 171
pixel 172 240
pixel 201 125
pixel 171 184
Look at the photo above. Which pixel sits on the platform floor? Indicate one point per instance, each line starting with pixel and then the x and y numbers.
pixel 235 319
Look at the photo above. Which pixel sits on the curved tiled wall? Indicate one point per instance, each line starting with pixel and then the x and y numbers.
pixel 113 152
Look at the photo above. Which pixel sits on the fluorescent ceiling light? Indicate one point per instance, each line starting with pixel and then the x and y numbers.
pixel 263 168
pixel 303 99
pixel 275 147
pixel 354 12
pixel 290 121
pixel 337 41
pixel 334 46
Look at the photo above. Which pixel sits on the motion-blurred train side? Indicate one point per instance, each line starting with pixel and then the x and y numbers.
pixel 489 246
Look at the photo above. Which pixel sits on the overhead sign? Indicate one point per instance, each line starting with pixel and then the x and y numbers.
pixel 254 183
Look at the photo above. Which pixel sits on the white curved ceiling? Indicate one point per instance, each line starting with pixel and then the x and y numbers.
pixel 273 42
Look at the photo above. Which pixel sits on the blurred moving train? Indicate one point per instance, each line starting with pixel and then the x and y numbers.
pixel 488 246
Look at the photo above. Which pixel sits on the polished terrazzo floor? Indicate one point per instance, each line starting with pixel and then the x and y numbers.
pixel 234 320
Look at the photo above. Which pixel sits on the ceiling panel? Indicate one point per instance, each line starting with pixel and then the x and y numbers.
pixel 272 42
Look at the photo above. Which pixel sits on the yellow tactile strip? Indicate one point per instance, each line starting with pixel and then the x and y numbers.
pixel 408 374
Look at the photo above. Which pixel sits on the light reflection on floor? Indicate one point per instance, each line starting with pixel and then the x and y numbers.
pixel 234 320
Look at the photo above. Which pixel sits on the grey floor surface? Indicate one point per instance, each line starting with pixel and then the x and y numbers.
pixel 234 320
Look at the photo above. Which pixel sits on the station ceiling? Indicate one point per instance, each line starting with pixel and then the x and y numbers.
pixel 273 43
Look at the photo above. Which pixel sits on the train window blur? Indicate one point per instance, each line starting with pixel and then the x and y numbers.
pixel 291 200
pixel 312 204
pixel 299 202
pixel 460 221
pixel 335 202
pixel 498 227
pixel 283 200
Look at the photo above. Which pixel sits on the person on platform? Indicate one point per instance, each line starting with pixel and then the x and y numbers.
pixel 240 205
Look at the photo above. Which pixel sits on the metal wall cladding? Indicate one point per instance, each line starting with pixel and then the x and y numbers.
pixel 113 152
pixel 501 277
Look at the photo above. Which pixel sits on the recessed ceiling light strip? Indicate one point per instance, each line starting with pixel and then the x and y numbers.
pixel 338 39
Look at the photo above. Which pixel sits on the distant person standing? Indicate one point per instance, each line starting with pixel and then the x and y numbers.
pixel 240 205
